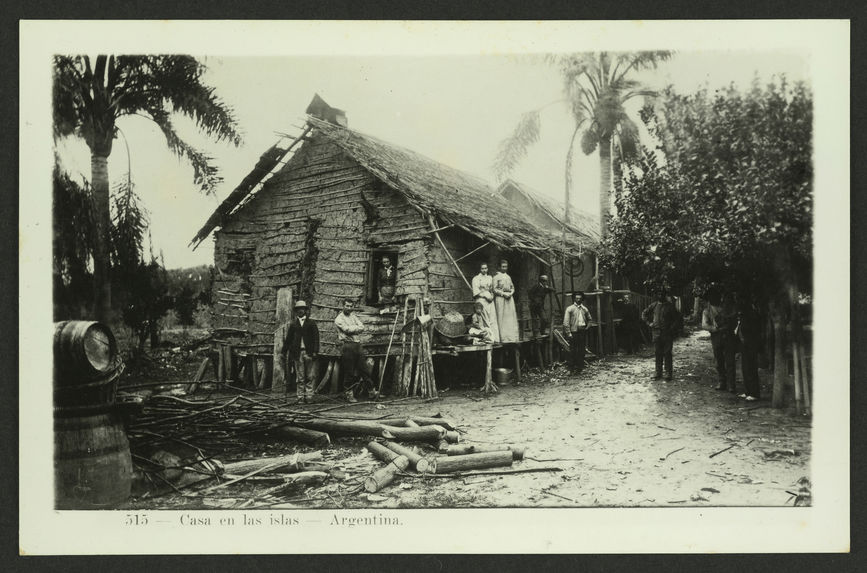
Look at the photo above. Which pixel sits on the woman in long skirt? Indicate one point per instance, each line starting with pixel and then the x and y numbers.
pixel 507 316
pixel 483 285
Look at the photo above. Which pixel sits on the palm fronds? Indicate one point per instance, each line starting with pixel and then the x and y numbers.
pixel 515 147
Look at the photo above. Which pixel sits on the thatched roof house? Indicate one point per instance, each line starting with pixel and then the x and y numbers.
pixel 321 223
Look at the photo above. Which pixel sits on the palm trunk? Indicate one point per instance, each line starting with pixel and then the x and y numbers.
pixel 604 184
pixel 102 224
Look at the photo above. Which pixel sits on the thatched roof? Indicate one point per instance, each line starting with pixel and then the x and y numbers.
pixel 453 196
pixel 583 225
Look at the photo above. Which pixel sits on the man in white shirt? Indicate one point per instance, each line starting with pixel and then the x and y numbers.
pixel 576 321
pixel 349 330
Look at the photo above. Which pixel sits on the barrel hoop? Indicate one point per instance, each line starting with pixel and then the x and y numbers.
pixel 119 448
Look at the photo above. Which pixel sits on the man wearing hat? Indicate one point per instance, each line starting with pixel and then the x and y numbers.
pixel 662 317
pixel 303 348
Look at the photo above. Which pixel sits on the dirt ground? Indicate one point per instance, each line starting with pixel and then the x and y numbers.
pixel 618 437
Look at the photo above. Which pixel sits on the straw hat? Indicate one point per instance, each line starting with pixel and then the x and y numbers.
pixel 300 304
pixel 451 325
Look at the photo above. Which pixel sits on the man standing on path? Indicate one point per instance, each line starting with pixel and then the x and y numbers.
pixel 727 322
pixel 302 343
pixel 749 331
pixel 504 302
pixel 537 295
pixel 576 321
pixel 709 322
pixel 662 317
pixel 349 330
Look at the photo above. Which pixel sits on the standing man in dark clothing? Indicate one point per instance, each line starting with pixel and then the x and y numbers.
pixel 536 296
pixel 727 321
pixel 576 321
pixel 630 323
pixel 302 343
pixel 662 317
pixel 749 331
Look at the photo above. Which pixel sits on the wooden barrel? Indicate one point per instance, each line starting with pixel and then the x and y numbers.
pixel 92 462
pixel 83 350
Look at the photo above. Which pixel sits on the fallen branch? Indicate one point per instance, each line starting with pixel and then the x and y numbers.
pixel 481 473
pixel 671 452
pixel 722 450
pixel 546 492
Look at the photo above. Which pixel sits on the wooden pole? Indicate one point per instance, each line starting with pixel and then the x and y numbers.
pixel 598 309
pixel 805 377
pixel 446 251
pixel 796 364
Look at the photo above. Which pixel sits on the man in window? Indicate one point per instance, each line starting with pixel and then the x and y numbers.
pixel 385 279
pixel 349 330
pixel 302 343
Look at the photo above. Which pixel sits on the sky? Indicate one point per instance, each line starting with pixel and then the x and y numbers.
pixel 455 109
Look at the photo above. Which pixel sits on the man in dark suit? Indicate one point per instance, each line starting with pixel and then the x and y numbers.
pixel 302 345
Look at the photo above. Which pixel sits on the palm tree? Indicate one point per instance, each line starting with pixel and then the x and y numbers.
pixel 597 87
pixel 90 96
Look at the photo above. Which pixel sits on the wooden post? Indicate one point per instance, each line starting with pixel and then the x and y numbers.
pixel 796 364
pixel 489 385
pixel 221 365
pixel 268 374
pixel 805 377
pixel 284 314
pixel 517 350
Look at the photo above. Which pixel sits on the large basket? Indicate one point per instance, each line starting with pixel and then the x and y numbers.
pixel 451 325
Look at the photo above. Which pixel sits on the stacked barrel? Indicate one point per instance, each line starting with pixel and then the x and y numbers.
pixel 92 463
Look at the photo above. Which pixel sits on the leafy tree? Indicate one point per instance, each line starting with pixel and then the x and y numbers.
pixel 72 244
pixel 597 87
pixel 90 96
pixel 726 197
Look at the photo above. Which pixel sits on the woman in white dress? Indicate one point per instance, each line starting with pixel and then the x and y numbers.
pixel 504 302
pixel 483 286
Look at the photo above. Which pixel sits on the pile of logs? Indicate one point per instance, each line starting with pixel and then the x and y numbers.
pixel 409 445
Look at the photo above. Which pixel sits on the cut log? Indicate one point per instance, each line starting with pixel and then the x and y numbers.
pixel 419 463
pixel 409 423
pixel 428 421
pixel 472 462
pixel 443 446
pixel 464 449
pixel 302 435
pixel 382 453
pixel 452 437
pixel 285 464
pixel 353 428
pixel 384 476
pixel 421 434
